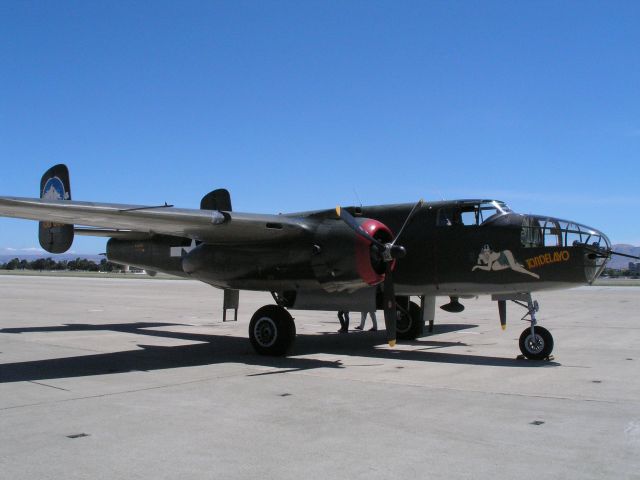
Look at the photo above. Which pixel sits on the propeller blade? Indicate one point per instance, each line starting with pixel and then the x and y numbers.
pixel 408 219
pixel 502 312
pixel 390 310
pixel 352 222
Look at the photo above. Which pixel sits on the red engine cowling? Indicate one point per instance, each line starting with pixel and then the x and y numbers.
pixel 345 261
pixel 369 262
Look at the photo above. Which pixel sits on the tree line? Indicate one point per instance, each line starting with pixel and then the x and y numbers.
pixel 48 264
pixel 615 273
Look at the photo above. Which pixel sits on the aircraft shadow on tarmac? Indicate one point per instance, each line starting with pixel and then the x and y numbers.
pixel 215 349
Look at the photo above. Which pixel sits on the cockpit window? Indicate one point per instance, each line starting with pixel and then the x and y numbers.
pixel 491 209
pixel 531 233
pixel 471 213
pixel 449 216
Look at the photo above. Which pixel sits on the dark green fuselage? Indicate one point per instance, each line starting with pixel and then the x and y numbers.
pixel 450 251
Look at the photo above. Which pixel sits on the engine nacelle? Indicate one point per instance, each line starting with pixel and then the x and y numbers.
pixel 344 261
pixel 159 254
pixel 282 267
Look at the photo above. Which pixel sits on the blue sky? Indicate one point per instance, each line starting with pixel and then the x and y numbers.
pixel 304 105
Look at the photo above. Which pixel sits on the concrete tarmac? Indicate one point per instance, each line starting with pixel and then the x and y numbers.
pixel 138 379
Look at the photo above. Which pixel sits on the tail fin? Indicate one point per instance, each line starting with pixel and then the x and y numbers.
pixel 54 185
pixel 216 200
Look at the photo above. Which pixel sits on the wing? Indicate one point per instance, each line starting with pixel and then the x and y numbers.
pixel 210 226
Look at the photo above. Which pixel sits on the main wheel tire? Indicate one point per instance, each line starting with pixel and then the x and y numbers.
pixel 537 348
pixel 272 330
pixel 409 327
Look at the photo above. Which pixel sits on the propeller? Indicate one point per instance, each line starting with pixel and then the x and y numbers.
pixel 389 252
pixel 502 313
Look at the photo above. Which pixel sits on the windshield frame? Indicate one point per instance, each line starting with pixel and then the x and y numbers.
pixel 471 213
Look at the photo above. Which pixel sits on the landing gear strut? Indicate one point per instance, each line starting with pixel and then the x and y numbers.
pixel 272 330
pixel 536 343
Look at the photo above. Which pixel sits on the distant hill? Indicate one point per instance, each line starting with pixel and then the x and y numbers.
pixel 622 263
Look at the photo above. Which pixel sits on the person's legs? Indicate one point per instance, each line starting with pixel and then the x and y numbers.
pixel 344 322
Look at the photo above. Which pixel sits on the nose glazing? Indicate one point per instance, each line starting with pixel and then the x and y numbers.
pixel 595 247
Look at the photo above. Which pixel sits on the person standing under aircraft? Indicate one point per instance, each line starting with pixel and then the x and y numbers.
pixel 363 318
pixel 343 316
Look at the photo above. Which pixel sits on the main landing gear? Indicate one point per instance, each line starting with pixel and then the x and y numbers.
pixel 536 343
pixel 409 324
pixel 272 330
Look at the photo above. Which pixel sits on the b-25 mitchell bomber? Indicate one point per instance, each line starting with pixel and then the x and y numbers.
pixel 354 258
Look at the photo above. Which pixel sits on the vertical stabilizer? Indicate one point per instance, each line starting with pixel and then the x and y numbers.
pixel 54 185
pixel 216 200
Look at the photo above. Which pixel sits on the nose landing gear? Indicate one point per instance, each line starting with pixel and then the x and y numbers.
pixel 536 343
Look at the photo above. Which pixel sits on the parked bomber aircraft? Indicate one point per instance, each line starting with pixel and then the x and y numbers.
pixel 355 258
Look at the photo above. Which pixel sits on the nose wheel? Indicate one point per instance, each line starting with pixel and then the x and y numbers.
pixel 536 343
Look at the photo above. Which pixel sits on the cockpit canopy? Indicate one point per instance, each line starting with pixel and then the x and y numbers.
pixel 471 212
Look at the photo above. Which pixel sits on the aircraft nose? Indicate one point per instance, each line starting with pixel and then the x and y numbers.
pixel 590 244
pixel 597 250
pixel 595 265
